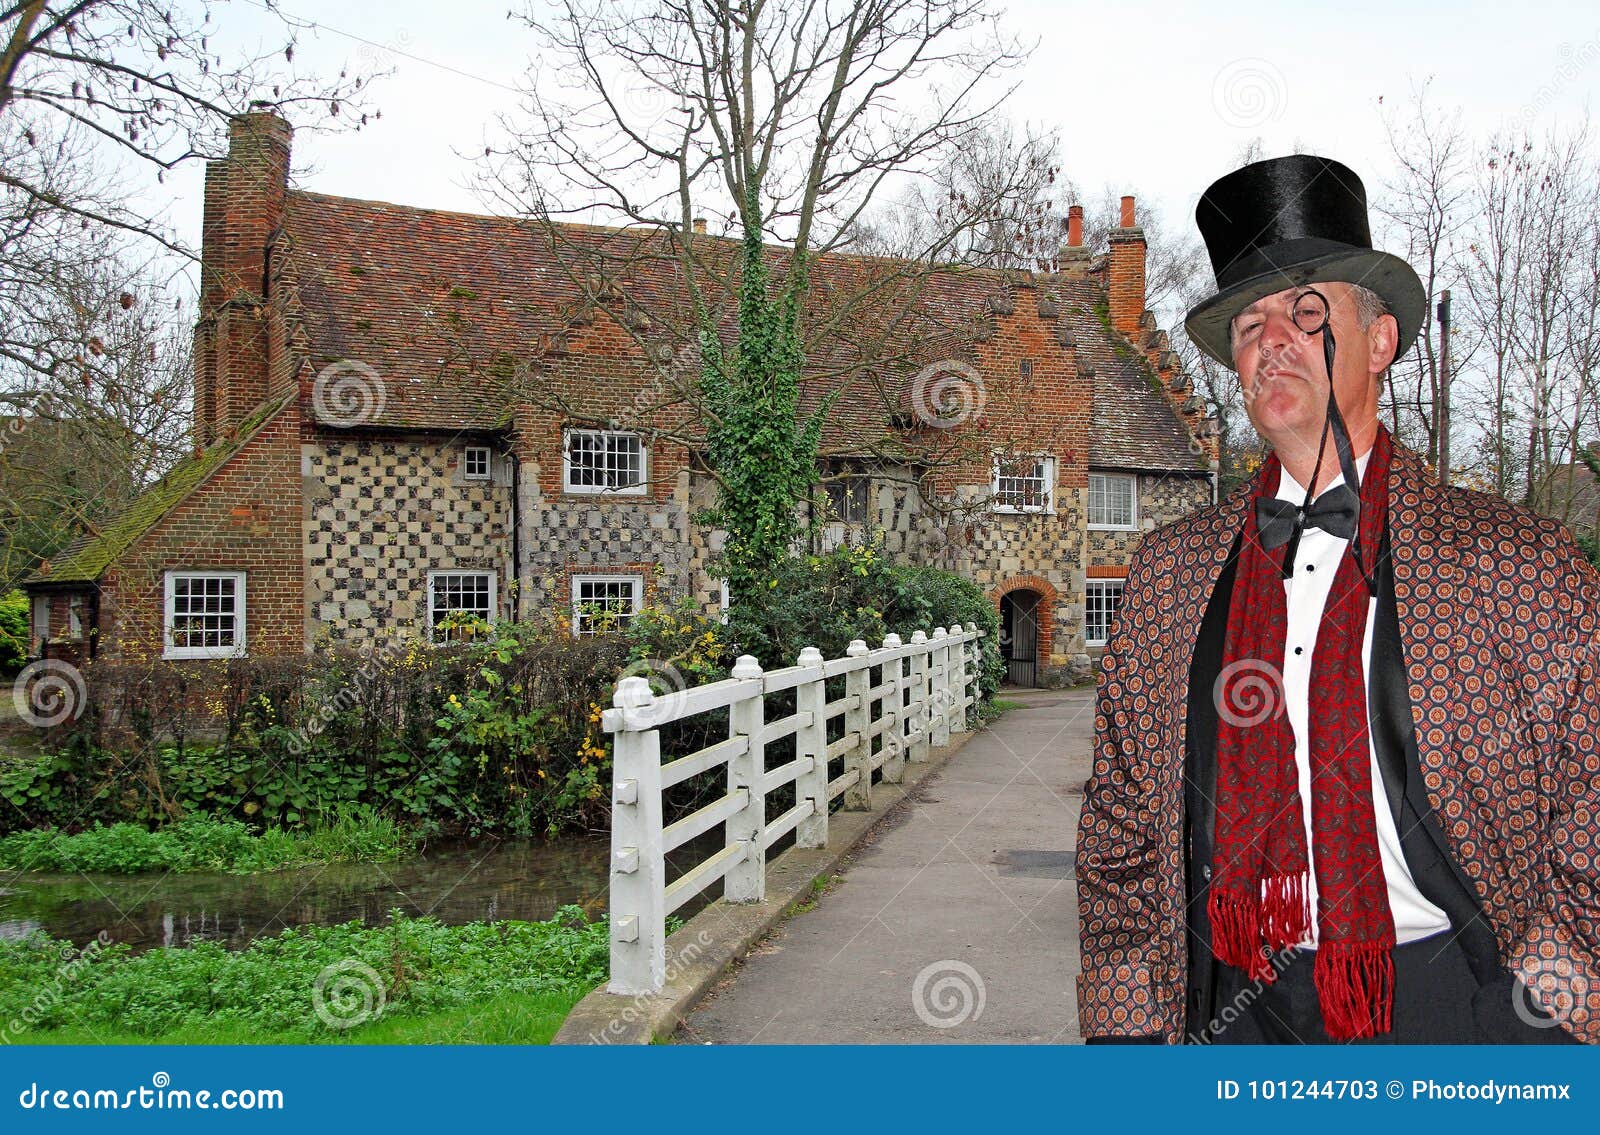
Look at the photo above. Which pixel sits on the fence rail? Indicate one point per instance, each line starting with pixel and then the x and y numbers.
pixel 926 688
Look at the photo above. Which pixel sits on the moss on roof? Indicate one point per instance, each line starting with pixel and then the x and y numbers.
pixel 87 557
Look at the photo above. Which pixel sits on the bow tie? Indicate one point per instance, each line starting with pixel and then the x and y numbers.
pixel 1335 512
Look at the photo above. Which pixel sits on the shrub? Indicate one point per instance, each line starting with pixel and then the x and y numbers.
pixel 16 634
pixel 855 592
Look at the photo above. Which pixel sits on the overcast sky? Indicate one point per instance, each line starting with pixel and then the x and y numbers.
pixel 1155 99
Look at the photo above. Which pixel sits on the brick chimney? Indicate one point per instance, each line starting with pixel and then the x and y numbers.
pixel 243 215
pixel 1125 274
pixel 1073 257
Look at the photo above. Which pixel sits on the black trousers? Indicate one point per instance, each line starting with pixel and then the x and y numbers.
pixel 1433 992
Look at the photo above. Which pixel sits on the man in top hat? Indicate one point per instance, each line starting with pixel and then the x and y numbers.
pixel 1346 773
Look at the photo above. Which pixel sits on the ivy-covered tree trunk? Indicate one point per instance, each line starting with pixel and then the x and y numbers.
pixel 765 458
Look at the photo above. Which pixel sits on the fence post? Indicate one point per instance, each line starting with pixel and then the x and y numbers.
pixel 746 880
pixel 941 687
pixel 812 741
pixel 894 728
pixel 857 716
pixel 921 703
pixel 958 719
pixel 638 867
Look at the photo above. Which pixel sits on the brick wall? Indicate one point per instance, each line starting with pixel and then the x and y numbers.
pixel 245 517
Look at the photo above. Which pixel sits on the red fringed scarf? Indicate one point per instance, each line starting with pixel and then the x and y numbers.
pixel 1258 903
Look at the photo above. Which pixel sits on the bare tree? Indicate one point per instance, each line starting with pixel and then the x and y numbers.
pixel 76 451
pixel 1427 201
pixel 141 77
pixel 673 126
pixel 1492 282
pixel 998 200
pixel 99 99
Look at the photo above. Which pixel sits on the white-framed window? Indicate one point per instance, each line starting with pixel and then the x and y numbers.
pixel 1113 500
pixel 1024 484
pixel 475 462
pixel 459 593
pixel 722 601
pixel 75 618
pixel 41 621
pixel 605 602
pixel 1101 597
pixel 604 461
pixel 205 614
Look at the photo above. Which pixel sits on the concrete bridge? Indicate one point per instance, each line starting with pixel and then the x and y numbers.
pixel 955 921
pixel 946 914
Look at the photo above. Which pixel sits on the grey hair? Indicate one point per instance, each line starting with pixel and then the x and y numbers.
pixel 1369 305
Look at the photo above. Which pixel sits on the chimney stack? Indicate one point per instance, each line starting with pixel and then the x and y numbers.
pixel 1125 275
pixel 245 195
pixel 700 224
pixel 1073 257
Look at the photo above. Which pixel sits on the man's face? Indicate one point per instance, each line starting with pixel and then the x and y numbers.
pixel 1283 374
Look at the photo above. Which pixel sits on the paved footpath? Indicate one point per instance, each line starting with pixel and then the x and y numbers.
pixel 956 922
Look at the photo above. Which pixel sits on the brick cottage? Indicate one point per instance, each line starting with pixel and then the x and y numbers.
pixel 368 457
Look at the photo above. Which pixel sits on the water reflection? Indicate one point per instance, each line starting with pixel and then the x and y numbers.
pixel 456 882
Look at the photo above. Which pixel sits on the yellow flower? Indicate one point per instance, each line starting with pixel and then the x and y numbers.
pixel 541 774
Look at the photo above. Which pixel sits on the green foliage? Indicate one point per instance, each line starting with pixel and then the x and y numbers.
pixel 15 632
pixel 497 733
pixel 406 969
pixel 203 843
pixel 855 592
pixel 765 459
pixel 1591 548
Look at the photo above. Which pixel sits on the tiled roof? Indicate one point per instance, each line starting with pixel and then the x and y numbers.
pixel 445 306
pixel 88 555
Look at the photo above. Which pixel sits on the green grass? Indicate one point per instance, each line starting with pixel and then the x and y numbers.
pixel 203 843
pixel 412 981
pixel 515 1018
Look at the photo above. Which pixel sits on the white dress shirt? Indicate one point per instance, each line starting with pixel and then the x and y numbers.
pixel 1316 562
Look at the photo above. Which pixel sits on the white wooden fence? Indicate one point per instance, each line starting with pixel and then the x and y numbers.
pixel 927 687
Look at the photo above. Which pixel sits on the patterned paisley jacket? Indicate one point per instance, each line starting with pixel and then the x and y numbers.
pixel 1499 619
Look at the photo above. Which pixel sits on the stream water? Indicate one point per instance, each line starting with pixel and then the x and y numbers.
pixel 480 880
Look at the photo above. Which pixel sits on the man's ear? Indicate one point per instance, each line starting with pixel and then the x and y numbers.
pixel 1383 336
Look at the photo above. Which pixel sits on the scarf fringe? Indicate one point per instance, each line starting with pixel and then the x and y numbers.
pixel 1355 988
pixel 1245 931
pixel 1285 911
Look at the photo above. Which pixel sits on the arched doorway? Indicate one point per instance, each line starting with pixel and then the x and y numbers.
pixel 1019 636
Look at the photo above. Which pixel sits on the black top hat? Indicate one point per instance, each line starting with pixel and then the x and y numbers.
pixel 1286 222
